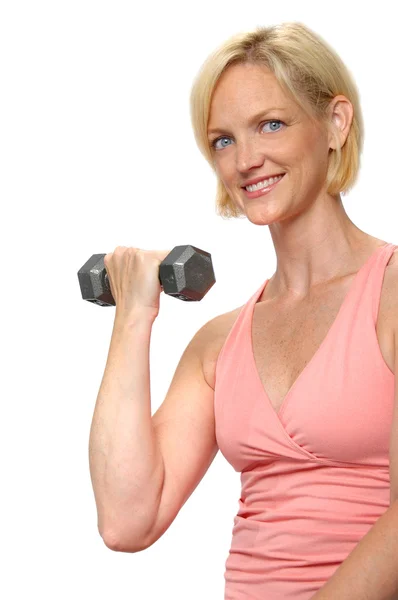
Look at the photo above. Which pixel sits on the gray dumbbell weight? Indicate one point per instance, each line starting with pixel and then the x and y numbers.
pixel 186 273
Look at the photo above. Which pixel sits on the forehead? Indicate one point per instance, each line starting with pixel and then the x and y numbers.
pixel 245 88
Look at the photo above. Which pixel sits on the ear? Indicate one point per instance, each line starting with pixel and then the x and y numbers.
pixel 341 113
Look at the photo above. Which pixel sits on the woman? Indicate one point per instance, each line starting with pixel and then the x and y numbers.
pixel 304 387
pixel 296 388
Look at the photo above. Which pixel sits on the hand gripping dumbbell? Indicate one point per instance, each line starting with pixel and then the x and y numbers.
pixel 186 273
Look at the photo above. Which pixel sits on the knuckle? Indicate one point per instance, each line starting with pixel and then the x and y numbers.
pixel 138 253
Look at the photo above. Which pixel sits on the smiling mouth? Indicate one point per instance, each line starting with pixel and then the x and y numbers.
pixel 262 190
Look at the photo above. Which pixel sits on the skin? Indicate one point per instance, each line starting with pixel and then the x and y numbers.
pixel 314 239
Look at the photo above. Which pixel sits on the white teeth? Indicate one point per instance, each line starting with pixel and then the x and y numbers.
pixel 263 184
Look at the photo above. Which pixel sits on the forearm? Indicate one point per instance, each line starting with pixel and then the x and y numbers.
pixel 370 572
pixel 126 465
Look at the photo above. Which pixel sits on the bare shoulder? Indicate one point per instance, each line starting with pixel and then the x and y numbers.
pixel 390 283
pixel 212 337
pixel 393 262
pixel 389 294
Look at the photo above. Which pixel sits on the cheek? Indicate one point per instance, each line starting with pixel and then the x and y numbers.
pixel 226 174
pixel 308 158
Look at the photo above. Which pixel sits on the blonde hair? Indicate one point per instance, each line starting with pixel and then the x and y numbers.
pixel 308 70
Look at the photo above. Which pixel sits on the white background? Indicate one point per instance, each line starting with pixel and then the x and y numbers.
pixel 97 151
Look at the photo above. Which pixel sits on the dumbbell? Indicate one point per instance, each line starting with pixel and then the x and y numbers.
pixel 186 273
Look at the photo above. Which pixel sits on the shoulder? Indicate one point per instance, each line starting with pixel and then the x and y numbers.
pixel 390 283
pixel 389 293
pixel 393 262
pixel 215 331
pixel 212 337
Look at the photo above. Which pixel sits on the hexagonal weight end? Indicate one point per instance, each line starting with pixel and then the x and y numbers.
pixel 94 282
pixel 187 273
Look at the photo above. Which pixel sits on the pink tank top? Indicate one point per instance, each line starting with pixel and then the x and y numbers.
pixel 315 475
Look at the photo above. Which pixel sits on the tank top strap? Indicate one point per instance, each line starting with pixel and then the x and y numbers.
pixel 376 275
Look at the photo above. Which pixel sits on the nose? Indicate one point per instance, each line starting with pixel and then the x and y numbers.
pixel 248 156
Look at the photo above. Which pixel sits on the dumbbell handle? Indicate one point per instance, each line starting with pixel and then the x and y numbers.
pixel 107 283
pixel 108 286
pixel 107 297
pixel 188 285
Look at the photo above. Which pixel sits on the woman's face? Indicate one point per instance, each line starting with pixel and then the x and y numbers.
pixel 248 147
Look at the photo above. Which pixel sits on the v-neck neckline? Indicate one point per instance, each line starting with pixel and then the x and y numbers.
pixel 304 371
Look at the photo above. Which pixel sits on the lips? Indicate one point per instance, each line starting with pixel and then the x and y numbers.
pixel 258 179
pixel 263 191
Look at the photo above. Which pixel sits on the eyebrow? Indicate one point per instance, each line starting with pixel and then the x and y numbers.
pixel 251 121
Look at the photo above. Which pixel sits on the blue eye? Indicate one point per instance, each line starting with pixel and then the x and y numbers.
pixel 224 137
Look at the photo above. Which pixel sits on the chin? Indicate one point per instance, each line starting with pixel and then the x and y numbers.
pixel 258 218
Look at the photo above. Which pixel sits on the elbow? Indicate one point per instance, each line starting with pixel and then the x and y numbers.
pixel 117 544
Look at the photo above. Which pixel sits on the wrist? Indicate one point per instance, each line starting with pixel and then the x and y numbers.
pixel 137 318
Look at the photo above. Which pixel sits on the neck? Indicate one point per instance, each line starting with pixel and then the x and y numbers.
pixel 316 247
